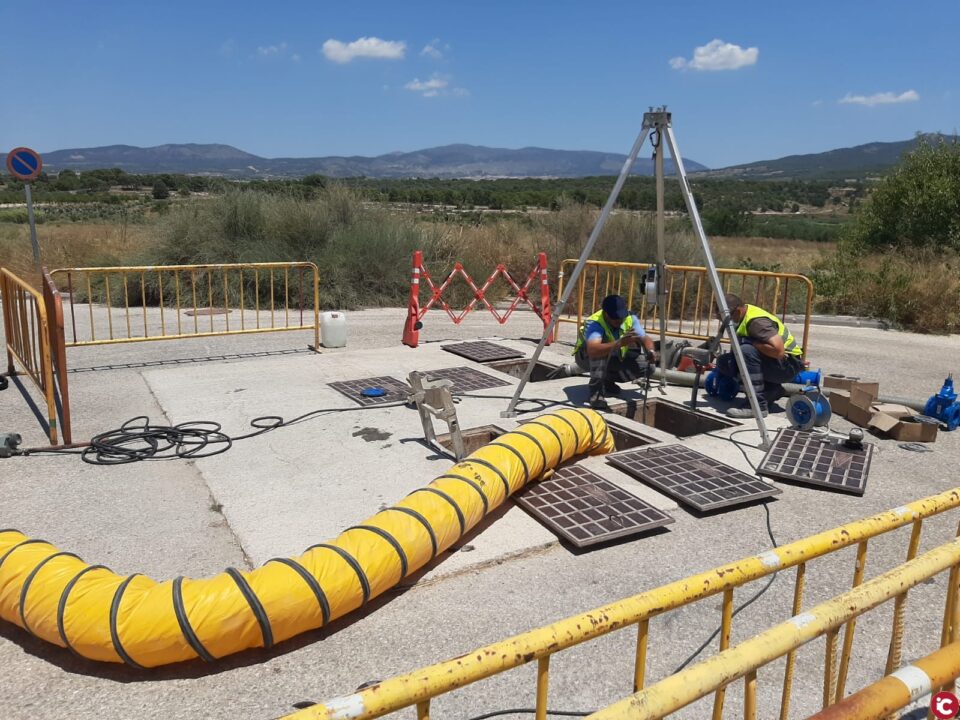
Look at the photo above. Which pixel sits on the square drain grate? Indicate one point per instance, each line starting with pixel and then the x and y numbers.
pixel 482 351
pixel 692 478
pixel 396 390
pixel 804 458
pixel 586 509
pixel 465 379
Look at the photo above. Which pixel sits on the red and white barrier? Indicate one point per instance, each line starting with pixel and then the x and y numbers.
pixel 415 314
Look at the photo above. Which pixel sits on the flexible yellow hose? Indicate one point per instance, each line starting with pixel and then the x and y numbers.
pixel 103 616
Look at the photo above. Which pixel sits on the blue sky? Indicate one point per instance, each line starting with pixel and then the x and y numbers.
pixel 745 80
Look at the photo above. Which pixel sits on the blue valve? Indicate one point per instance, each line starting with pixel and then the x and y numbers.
pixel 944 406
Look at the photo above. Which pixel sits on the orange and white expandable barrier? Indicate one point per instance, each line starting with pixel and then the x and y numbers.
pixel 415 314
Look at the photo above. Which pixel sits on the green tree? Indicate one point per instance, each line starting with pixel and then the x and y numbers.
pixel 160 190
pixel 917 205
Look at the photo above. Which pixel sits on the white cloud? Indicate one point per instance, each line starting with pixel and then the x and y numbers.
pixel 365 47
pixel 433 50
pixel 884 98
pixel 429 88
pixel 272 50
pixel 717 55
pixel 817 103
pixel 295 57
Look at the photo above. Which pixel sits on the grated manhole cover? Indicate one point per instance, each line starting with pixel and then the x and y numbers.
pixel 465 379
pixel 482 351
pixel 586 509
pixel 396 391
pixel 691 477
pixel 805 458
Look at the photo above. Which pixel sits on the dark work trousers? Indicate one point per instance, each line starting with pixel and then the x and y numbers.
pixel 611 369
pixel 766 374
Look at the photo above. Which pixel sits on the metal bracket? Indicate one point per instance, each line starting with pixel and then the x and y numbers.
pixel 433 399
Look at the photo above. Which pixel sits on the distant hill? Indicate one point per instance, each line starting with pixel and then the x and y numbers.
pixel 853 162
pixel 449 161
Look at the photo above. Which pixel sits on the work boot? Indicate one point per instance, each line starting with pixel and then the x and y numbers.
pixel 773 392
pixel 611 388
pixel 745 412
pixel 598 403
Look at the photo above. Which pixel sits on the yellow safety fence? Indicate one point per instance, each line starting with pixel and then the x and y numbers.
pixel 103 616
pixel 420 686
pixel 169 302
pixel 689 295
pixel 939 669
pixel 27 331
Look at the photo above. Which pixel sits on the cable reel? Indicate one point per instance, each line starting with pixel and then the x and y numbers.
pixel 809 409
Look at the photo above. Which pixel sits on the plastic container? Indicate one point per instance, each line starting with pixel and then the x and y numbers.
pixel 333 329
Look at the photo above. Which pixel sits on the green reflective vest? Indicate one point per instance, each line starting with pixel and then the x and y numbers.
pixel 753 312
pixel 608 335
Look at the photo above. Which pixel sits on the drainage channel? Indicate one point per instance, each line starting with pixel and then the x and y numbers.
pixel 516 368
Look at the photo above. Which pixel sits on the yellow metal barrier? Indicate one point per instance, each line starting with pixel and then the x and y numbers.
pixel 894 692
pixel 27 333
pixel 743 661
pixel 167 302
pixel 689 311
pixel 419 687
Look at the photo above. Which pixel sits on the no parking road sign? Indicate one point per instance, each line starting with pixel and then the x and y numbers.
pixel 24 164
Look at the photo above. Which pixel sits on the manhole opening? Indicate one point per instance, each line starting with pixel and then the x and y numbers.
pixel 516 368
pixel 671 418
pixel 625 438
pixel 473 438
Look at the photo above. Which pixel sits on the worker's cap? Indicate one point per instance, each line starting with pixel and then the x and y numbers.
pixel 615 306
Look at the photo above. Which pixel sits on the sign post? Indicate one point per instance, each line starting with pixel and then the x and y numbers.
pixel 25 164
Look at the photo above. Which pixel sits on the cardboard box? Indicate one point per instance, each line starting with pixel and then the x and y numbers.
pixel 871 387
pixel 839 402
pixel 860 411
pixel 899 424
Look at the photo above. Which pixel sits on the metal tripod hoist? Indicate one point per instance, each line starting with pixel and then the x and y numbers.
pixel 657 126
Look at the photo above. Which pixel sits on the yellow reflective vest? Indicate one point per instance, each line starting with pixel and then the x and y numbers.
pixel 753 312
pixel 608 335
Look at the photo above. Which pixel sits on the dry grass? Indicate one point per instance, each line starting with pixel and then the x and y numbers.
pixel 73 245
pixel 799 256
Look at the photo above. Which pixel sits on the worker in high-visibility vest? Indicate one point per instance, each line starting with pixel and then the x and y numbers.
pixel 609 345
pixel 770 352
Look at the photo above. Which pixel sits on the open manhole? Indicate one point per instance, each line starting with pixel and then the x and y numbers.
pixel 625 438
pixel 671 418
pixel 586 509
pixel 516 368
pixel 473 438
pixel 805 458
pixel 692 478
pixel 482 351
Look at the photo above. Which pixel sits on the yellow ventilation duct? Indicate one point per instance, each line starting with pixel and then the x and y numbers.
pixel 103 616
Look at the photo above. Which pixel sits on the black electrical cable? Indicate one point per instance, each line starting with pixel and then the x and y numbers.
pixel 766 510
pixel 532 711
pixel 138 439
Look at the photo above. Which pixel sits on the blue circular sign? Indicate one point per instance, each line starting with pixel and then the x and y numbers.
pixel 24 164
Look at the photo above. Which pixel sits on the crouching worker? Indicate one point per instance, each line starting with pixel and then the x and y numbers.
pixel 608 346
pixel 770 353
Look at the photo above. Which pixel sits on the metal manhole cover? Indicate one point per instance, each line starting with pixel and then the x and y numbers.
pixel 805 458
pixel 692 478
pixel 396 391
pixel 586 509
pixel 465 379
pixel 482 351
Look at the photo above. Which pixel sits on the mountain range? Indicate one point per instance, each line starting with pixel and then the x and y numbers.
pixel 462 161
pixel 448 161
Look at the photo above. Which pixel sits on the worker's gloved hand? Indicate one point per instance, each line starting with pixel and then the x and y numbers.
pixel 652 357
